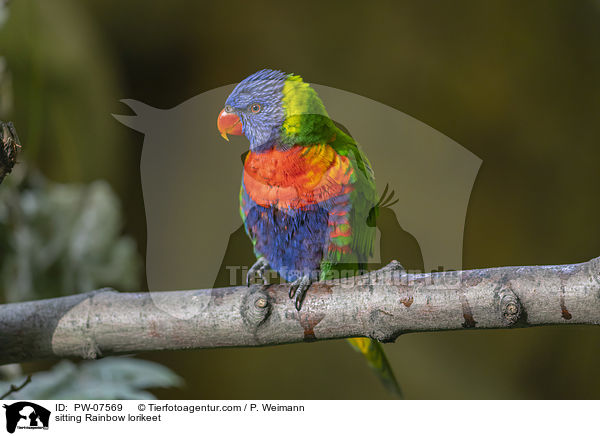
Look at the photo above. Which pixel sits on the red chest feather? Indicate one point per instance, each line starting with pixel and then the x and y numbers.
pixel 296 177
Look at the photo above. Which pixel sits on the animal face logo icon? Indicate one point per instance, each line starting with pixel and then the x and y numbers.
pixel 26 415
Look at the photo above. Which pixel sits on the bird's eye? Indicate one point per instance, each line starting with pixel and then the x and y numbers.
pixel 255 108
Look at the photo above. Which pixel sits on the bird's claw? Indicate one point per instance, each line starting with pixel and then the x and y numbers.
pixel 258 269
pixel 298 290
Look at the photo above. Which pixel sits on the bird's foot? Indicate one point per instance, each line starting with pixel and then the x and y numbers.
pixel 298 290
pixel 258 269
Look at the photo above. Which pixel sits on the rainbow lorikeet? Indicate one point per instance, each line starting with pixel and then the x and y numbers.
pixel 308 192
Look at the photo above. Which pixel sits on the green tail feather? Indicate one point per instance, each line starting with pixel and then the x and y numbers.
pixel 373 352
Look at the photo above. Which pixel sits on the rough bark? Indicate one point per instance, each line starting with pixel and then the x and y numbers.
pixel 9 148
pixel 381 305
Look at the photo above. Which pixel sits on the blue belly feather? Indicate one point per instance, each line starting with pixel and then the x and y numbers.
pixel 293 241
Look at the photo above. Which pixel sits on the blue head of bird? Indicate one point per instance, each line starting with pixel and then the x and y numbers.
pixel 255 109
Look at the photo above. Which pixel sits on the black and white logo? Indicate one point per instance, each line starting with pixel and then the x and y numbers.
pixel 26 415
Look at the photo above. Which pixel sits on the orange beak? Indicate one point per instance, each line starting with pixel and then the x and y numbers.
pixel 229 123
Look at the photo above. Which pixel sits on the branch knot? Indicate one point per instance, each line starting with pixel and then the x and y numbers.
pixel 509 306
pixel 255 307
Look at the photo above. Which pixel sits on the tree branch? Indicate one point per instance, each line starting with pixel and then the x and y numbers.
pixel 14 388
pixel 382 305
pixel 9 148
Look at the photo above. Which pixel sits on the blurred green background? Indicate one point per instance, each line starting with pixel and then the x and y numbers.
pixel 517 83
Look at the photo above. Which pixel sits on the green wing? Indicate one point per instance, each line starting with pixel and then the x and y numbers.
pixel 362 199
